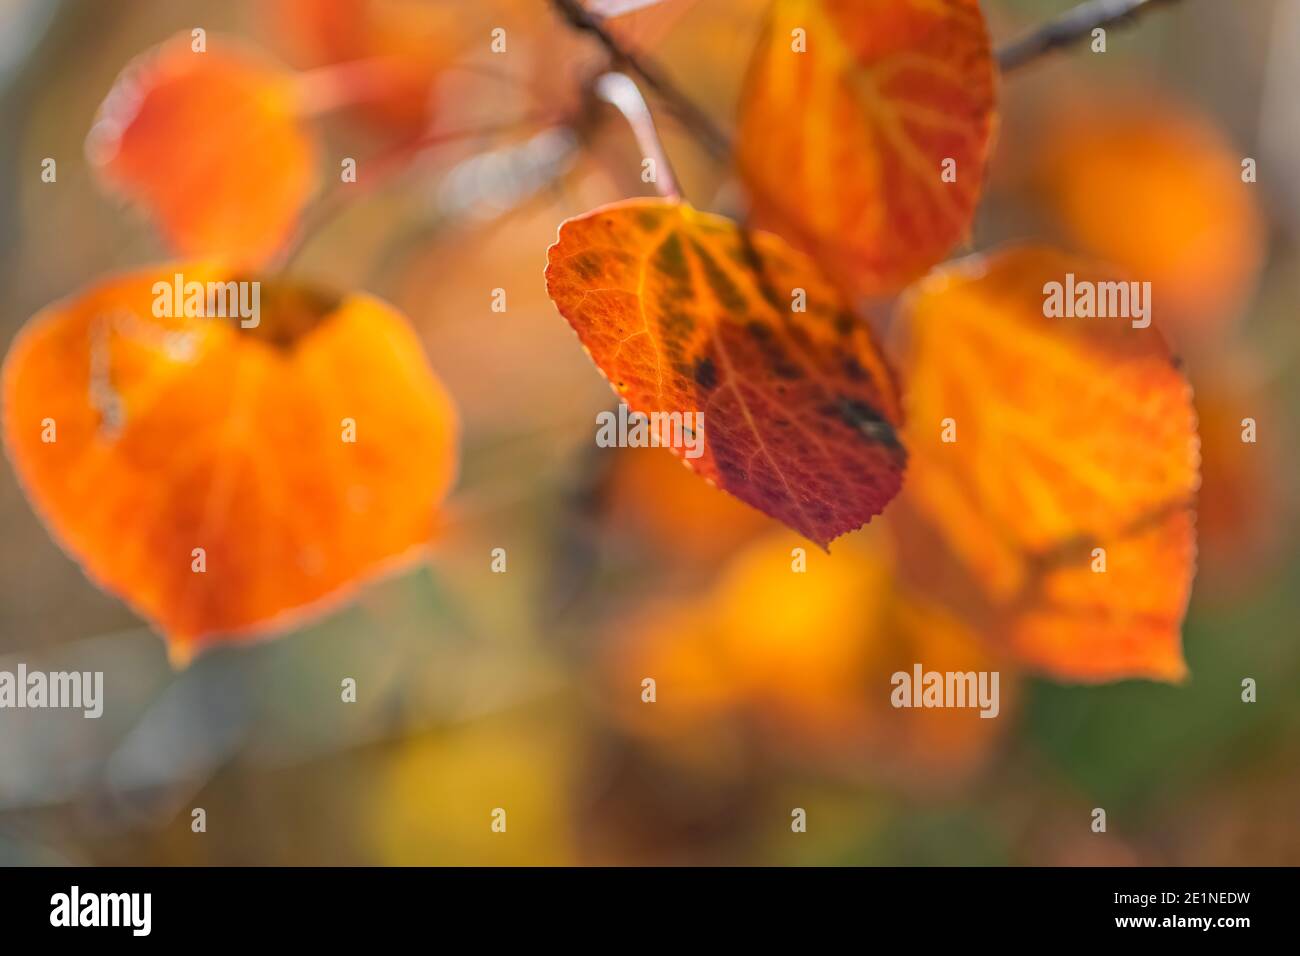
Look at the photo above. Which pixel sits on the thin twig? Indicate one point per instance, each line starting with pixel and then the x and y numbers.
pixel 706 132
pixel 619 91
pixel 1071 27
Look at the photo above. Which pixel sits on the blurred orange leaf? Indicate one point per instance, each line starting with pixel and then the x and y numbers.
pixel 211 146
pixel 1244 513
pixel 1036 440
pixel 810 656
pixel 405 44
pixel 844 141
pixel 654 497
pixel 1154 188
pixel 684 312
pixel 301 455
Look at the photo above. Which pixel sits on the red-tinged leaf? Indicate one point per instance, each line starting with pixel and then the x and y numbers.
pixel 844 145
pixel 686 312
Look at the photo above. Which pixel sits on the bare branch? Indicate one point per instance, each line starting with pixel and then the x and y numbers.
pixel 652 76
pixel 1071 27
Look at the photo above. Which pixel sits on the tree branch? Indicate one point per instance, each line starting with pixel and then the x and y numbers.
pixel 709 135
pixel 1071 27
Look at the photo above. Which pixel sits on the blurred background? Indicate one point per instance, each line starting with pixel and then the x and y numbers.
pixel 522 690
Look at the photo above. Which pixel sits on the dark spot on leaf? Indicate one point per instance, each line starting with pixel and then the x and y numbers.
pixel 587 265
pixel 706 376
pixel 774 355
pixel 670 259
pixel 861 416
pixel 676 323
pixel 724 290
pixel 286 310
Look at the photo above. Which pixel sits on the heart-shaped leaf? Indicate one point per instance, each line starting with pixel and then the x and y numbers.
pixel 223 479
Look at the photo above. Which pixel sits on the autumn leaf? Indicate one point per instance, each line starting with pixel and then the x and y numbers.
pixel 865 126
pixel 1082 623
pixel 403 44
pixel 809 656
pixel 1037 441
pixel 1244 514
pixel 225 480
pixel 686 313
pixel 647 496
pixel 210 145
pixel 1152 186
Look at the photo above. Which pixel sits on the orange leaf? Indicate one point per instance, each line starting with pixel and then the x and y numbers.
pixel 650 493
pixel 686 313
pixel 1085 625
pixel 1036 440
pixel 210 145
pixel 810 656
pixel 1156 189
pixel 844 146
pixel 408 42
pixel 1244 515
pixel 140 439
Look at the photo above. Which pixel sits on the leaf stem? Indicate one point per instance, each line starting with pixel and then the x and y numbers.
pixel 335 86
pixel 1071 27
pixel 622 93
